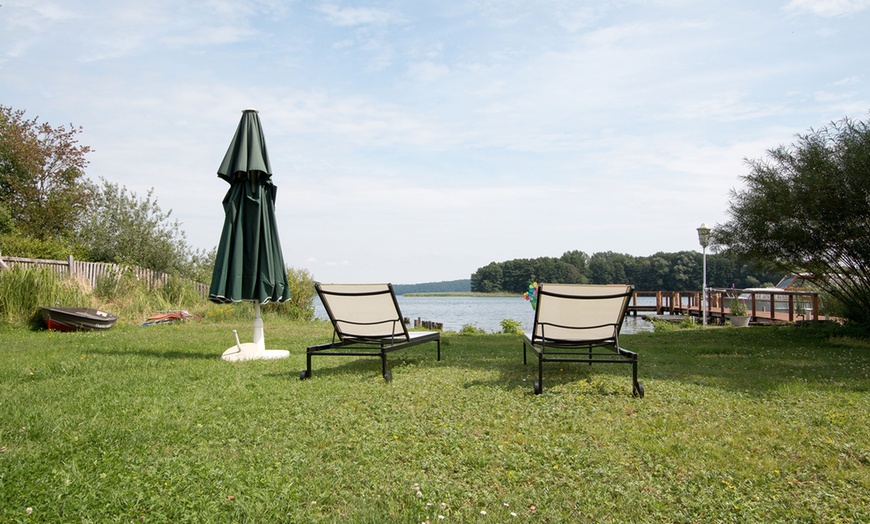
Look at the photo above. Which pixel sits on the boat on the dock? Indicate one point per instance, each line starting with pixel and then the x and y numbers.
pixel 77 319
pixel 762 295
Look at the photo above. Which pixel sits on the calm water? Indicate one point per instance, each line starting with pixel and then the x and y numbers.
pixel 483 312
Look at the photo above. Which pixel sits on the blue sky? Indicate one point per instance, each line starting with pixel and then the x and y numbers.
pixel 416 141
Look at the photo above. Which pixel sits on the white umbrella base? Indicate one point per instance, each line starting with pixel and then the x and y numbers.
pixel 252 351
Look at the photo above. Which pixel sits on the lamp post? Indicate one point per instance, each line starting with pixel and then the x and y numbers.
pixel 704 238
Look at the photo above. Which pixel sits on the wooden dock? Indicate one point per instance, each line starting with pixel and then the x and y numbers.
pixel 779 307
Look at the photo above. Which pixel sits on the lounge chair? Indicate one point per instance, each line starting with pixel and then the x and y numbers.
pixel 366 322
pixel 574 323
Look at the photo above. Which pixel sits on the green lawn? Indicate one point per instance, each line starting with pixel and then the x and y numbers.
pixel 148 425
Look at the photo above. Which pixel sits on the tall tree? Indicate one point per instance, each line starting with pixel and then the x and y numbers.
pixel 42 185
pixel 579 260
pixel 487 279
pixel 608 267
pixel 806 208
pixel 121 227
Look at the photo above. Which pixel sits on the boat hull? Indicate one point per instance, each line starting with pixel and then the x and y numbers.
pixel 77 319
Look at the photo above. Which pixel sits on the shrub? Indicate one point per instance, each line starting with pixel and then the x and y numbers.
pixel 471 329
pixel 511 326
pixel 663 326
pixel 300 306
pixel 301 303
pixel 738 308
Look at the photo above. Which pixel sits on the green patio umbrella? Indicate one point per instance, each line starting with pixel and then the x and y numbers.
pixel 249 264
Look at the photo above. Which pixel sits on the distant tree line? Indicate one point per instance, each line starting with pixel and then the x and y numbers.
pixel 449 286
pixel 680 271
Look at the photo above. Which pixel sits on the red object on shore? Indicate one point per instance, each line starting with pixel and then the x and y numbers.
pixel 77 319
pixel 169 316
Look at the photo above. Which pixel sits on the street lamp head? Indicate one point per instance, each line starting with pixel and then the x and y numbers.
pixel 704 234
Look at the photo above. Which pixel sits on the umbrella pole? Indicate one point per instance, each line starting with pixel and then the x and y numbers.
pixel 259 340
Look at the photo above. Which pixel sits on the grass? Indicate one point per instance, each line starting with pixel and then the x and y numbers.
pixel 147 424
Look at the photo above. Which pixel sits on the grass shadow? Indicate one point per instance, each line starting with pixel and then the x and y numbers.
pixel 172 354
pixel 755 361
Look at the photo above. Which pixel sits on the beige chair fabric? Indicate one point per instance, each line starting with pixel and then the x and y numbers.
pixel 578 313
pixel 367 321
pixel 363 310
pixel 580 323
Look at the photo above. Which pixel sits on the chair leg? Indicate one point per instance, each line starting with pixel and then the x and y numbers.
pixel 306 373
pixel 439 349
pixel 636 385
pixel 539 384
pixel 386 374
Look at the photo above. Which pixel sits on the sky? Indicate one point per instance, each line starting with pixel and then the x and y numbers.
pixel 417 141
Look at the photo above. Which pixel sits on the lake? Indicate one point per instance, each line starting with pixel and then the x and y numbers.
pixel 482 312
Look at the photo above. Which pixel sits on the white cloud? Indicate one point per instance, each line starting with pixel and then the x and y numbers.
pixel 480 131
pixel 427 71
pixel 827 8
pixel 355 16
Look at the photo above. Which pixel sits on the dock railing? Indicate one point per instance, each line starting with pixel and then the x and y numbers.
pixel 765 306
pixel 665 302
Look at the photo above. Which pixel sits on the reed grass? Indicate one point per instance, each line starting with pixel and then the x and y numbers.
pixel 146 424
pixel 23 290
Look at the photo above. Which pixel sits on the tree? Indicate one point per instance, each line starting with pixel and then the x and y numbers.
pixel 608 268
pixel 579 260
pixel 806 208
pixel 517 274
pixel 120 227
pixel 42 185
pixel 487 279
pixel 549 269
pixel 679 271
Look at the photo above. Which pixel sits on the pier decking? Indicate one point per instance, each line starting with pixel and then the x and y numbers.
pixel 764 307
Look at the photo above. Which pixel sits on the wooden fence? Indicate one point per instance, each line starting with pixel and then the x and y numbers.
pixel 91 272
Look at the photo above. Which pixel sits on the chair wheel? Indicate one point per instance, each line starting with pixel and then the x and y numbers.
pixel 388 376
pixel 538 388
pixel 304 374
pixel 638 389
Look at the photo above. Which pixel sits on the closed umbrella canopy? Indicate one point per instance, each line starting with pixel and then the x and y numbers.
pixel 249 263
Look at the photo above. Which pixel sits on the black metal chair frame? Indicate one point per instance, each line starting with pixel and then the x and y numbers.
pixel 363 346
pixel 556 350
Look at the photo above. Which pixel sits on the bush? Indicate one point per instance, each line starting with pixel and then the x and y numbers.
pixel 738 308
pixel 300 306
pixel 471 329
pixel 511 326
pixel 301 294
pixel 663 326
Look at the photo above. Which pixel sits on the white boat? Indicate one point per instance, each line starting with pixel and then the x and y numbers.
pixel 781 301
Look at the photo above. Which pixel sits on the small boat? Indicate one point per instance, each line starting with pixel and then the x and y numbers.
pixel 77 318
pixel 781 300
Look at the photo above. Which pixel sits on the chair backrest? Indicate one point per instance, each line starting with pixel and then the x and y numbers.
pixel 579 313
pixel 363 311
